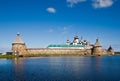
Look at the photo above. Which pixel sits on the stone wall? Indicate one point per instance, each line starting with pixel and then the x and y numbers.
pixel 19 48
pixel 22 50
pixel 58 51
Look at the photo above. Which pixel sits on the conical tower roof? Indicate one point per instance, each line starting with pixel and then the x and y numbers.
pixel 110 48
pixel 18 39
pixel 97 43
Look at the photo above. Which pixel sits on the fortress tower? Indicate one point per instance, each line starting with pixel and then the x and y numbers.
pixel 97 48
pixel 110 50
pixel 19 47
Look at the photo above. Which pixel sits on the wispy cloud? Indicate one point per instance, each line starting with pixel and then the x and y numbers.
pixel 51 10
pixel 102 3
pixel 50 30
pixel 71 3
pixel 66 29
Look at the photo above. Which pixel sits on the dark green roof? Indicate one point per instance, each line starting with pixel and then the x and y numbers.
pixel 65 45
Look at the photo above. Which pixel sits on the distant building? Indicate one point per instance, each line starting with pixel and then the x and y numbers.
pixel 76 44
pixel 9 53
pixel 76 47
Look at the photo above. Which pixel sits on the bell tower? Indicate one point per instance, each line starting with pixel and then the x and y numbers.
pixel 18 46
pixel 76 40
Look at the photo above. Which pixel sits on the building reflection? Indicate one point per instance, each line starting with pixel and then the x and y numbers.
pixel 19 68
pixel 78 68
pixel 96 63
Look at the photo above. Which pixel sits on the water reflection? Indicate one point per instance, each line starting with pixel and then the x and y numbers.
pixel 60 68
pixel 66 67
pixel 19 68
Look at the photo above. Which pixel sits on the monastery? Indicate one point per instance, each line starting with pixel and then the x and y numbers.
pixel 81 46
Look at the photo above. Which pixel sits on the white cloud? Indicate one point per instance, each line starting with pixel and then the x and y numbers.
pixel 102 3
pixel 71 3
pixel 50 30
pixel 51 10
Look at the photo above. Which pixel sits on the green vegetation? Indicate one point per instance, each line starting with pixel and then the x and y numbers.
pixel 7 56
pixel 117 53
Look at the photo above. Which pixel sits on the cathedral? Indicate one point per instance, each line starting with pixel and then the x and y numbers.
pixel 82 47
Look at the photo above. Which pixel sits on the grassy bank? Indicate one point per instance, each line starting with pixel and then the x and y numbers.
pixel 7 56
pixel 47 55
pixel 117 53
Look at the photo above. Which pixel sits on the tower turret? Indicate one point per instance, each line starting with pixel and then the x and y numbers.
pixel 68 42
pixel 110 50
pixel 18 46
pixel 76 40
pixel 97 48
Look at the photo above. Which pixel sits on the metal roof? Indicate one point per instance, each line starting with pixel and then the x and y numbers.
pixel 65 45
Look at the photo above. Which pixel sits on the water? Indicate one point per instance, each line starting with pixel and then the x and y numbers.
pixel 106 68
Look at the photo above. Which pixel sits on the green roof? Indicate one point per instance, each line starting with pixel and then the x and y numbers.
pixel 65 45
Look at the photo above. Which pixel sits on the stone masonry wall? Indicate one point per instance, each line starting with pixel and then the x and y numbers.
pixel 58 51
pixel 19 48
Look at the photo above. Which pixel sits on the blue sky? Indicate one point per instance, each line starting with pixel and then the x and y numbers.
pixel 42 22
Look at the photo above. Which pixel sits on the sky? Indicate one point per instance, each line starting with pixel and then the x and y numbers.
pixel 44 22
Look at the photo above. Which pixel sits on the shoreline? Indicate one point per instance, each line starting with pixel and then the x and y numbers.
pixel 52 55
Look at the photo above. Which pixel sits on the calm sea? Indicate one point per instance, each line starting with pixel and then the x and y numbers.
pixel 103 68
